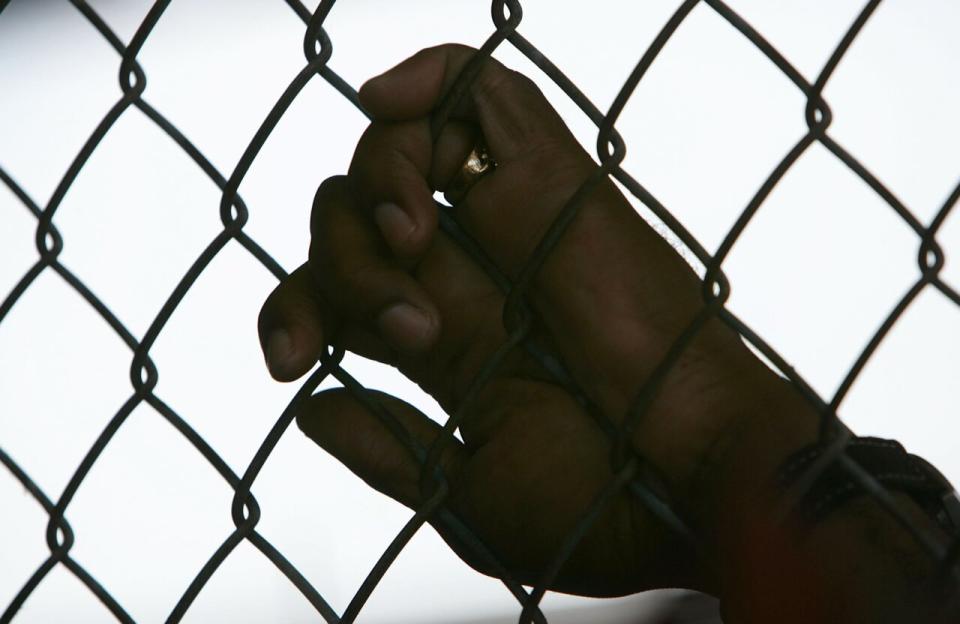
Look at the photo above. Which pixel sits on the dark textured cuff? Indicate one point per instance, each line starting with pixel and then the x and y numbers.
pixel 888 463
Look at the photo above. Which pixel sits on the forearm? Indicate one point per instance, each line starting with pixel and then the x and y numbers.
pixel 856 565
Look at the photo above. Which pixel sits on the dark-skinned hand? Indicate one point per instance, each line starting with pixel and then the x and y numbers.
pixel 383 281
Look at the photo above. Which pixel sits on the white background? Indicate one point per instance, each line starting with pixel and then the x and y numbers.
pixel 815 273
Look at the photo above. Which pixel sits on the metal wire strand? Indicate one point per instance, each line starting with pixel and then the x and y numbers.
pixel 630 472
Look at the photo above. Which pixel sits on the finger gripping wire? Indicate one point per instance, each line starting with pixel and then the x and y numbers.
pixel 631 474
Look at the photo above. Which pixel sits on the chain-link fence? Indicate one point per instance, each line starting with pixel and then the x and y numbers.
pixel 317 48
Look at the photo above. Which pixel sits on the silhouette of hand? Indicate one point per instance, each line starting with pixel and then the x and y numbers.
pixel 383 281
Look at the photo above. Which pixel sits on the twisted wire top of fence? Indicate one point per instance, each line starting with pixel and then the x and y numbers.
pixel 507 17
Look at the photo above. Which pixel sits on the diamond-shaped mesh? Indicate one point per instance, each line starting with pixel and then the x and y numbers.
pixel 318 49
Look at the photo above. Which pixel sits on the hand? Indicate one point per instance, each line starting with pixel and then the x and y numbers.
pixel 384 282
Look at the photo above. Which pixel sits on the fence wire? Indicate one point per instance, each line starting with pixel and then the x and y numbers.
pixel 628 475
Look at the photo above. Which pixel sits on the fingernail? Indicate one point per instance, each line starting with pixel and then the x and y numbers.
pixel 279 352
pixel 395 224
pixel 407 327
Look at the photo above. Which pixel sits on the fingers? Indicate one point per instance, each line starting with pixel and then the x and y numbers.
pixel 605 328
pixel 515 117
pixel 359 277
pixel 359 439
pixel 396 168
pixel 442 317
pixel 350 293
pixel 296 324
pixel 353 293
pixel 291 326
pixel 355 436
pixel 540 163
pixel 389 173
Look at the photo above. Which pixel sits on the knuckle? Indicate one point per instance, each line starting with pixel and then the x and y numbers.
pixel 525 83
pixel 325 266
pixel 497 82
pixel 389 157
pixel 450 52
pixel 520 109
pixel 493 83
pixel 455 48
pixel 368 145
pixel 328 191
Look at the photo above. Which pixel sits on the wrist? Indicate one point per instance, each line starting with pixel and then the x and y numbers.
pixel 736 477
pixel 855 564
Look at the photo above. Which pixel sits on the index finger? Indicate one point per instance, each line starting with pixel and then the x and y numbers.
pixel 514 115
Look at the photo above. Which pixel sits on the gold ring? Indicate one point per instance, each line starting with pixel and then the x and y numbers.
pixel 478 164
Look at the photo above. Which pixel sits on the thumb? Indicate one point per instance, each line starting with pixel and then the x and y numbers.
pixel 376 446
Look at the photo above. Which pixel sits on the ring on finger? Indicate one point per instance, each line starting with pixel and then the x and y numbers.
pixel 478 164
